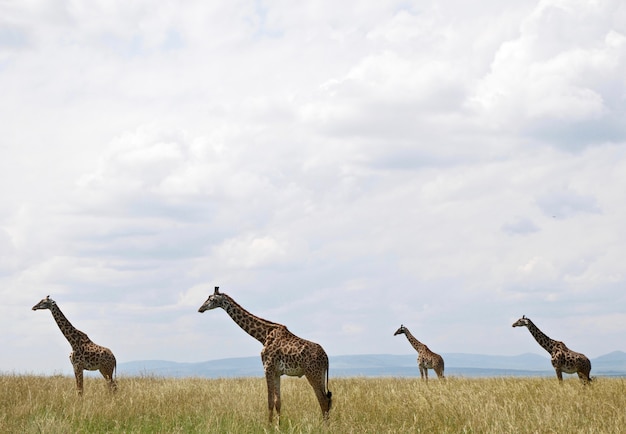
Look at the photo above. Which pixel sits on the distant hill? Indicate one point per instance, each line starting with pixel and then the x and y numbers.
pixel 610 364
pixel 378 365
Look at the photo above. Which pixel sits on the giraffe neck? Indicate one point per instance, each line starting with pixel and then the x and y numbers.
pixel 71 333
pixel 256 327
pixel 541 338
pixel 413 341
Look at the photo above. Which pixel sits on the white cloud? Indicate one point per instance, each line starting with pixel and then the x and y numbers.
pixel 252 251
pixel 340 168
pixel 553 76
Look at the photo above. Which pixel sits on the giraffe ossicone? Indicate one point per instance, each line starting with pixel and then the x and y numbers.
pixel 563 359
pixel 85 354
pixel 283 353
pixel 426 359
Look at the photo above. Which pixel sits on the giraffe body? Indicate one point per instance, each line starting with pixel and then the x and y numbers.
pixel 562 358
pixel 85 354
pixel 426 359
pixel 283 353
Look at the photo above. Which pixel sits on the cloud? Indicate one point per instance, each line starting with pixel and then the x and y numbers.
pixel 522 226
pixel 340 168
pixel 564 204
pixel 550 81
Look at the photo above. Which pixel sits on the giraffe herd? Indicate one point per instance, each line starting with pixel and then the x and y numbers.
pixel 284 353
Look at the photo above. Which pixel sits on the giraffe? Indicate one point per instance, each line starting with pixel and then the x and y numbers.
pixel 563 359
pixel 85 354
pixel 283 353
pixel 426 359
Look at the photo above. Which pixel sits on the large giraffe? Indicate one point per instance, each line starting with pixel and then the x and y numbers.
pixel 85 354
pixel 426 359
pixel 563 359
pixel 283 353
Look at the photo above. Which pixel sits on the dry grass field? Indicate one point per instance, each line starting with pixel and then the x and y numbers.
pixel 32 404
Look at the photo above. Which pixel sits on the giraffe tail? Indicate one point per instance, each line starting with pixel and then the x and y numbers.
pixel 114 379
pixel 329 394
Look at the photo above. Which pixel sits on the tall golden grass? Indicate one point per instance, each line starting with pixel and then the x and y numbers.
pixel 34 404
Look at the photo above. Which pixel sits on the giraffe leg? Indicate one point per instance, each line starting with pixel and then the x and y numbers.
pixel 426 374
pixel 277 396
pixel 586 372
pixel 559 374
pixel 273 395
pixel 78 373
pixel 323 397
pixel 584 377
pixel 107 373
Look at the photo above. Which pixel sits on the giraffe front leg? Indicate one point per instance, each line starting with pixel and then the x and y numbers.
pixel 559 374
pixel 271 393
pixel 423 371
pixel 78 373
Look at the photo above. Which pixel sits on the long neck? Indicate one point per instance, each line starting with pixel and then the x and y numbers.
pixel 414 342
pixel 71 333
pixel 540 337
pixel 256 327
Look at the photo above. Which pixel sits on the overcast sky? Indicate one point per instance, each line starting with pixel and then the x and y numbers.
pixel 337 167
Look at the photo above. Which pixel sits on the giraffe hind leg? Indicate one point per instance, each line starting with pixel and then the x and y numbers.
pixel 107 373
pixel 584 377
pixel 277 403
pixel 323 396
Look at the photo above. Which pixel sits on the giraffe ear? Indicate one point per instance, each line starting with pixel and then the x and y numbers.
pixel 217 290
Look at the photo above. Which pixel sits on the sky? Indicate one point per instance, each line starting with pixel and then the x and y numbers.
pixel 338 167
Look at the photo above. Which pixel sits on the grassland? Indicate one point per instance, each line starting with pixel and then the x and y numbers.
pixel 33 404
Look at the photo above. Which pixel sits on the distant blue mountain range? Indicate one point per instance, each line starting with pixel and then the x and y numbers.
pixel 379 365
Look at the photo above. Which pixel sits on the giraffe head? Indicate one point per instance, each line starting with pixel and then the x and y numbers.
pixel 45 303
pixel 401 330
pixel 522 322
pixel 215 300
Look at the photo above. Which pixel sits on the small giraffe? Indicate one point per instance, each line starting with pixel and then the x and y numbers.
pixel 85 354
pixel 283 353
pixel 426 359
pixel 563 359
